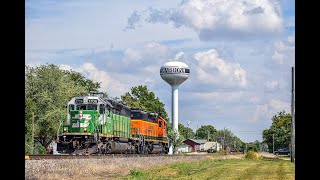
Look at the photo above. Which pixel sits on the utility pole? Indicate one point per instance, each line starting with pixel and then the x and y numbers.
pixel 292 154
pixel 224 137
pixel 272 143
pixel 32 132
pixel 197 132
pixel 246 147
pixel 188 129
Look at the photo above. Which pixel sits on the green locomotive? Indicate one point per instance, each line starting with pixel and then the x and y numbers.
pixel 92 121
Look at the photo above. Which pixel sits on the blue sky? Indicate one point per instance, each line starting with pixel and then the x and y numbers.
pixel 240 53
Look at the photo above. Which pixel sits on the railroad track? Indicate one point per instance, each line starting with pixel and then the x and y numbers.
pixel 84 156
pixel 97 156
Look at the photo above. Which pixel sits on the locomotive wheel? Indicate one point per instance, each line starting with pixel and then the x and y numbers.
pixel 146 150
pixel 108 148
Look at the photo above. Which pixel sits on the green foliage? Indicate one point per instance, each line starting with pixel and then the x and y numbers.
pixel 141 97
pixel 136 173
pixel 81 81
pixel 176 139
pixel 28 148
pixel 168 126
pixel 39 149
pixel 207 132
pixel 226 137
pixel 47 91
pixel 185 131
pixel 243 168
pixel 281 129
pixel 254 146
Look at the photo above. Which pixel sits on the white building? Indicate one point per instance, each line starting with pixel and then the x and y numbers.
pixel 184 148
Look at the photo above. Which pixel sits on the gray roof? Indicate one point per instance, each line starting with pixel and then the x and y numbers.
pixel 199 141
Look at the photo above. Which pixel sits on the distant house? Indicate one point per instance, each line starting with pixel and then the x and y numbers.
pixel 212 145
pixel 184 148
pixel 195 144
pixel 202 145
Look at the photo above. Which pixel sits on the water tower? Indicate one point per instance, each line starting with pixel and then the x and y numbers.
pixel 174 73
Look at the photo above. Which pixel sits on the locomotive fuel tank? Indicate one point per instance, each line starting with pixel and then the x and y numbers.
pixel 118 147
pixel 155 149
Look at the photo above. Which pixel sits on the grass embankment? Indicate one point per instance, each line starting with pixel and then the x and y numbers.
pixel 244 168
pixel 92 169
pixel 212 166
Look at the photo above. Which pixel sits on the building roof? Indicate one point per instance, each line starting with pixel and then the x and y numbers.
pixel 198 141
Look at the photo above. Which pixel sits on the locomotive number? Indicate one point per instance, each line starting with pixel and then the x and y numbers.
pixel 92 101
pixel 79 101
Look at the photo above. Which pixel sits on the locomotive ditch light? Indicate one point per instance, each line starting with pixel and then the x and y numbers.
pixel 64 129
pixel 85 129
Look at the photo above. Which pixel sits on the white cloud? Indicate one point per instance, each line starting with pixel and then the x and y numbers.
pixel 272 84
pixel 217 96
pixel 36 58
pixel 108 83
pixel 284 51
pixel 147 54
pixel 131 56
pixel 261 112
pixel 254 99
pixel 178 56
pixel 213 70
pixel 279 105
pixel 217 17
pixel 269 109
pixel 65 67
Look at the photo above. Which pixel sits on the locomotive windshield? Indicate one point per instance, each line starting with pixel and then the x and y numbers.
pixel 136 115
pixel 87 107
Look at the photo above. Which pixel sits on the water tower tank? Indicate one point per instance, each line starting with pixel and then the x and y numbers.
pixel 174 73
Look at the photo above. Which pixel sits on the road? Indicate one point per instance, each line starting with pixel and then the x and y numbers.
pixel 268 155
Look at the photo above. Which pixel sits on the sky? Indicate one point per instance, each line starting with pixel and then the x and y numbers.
pixel 240 53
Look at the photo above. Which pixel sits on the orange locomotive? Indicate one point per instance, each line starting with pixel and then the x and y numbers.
pixel 150 131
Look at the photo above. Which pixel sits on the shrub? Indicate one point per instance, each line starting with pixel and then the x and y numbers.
pixel 136 173
pixel 28 149
pixel 253 155
pixel 39 149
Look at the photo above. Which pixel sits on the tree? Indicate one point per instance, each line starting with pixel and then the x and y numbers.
pixel 176 139
pixel 228 139
pixel 140 97
pixel 254 146
pixel 30 108
pixel 207 132
pixel 185 131
pixel 47 91
pixel 80 80
pixel 280 129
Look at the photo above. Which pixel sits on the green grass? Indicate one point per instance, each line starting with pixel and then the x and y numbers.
pixel 220 169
